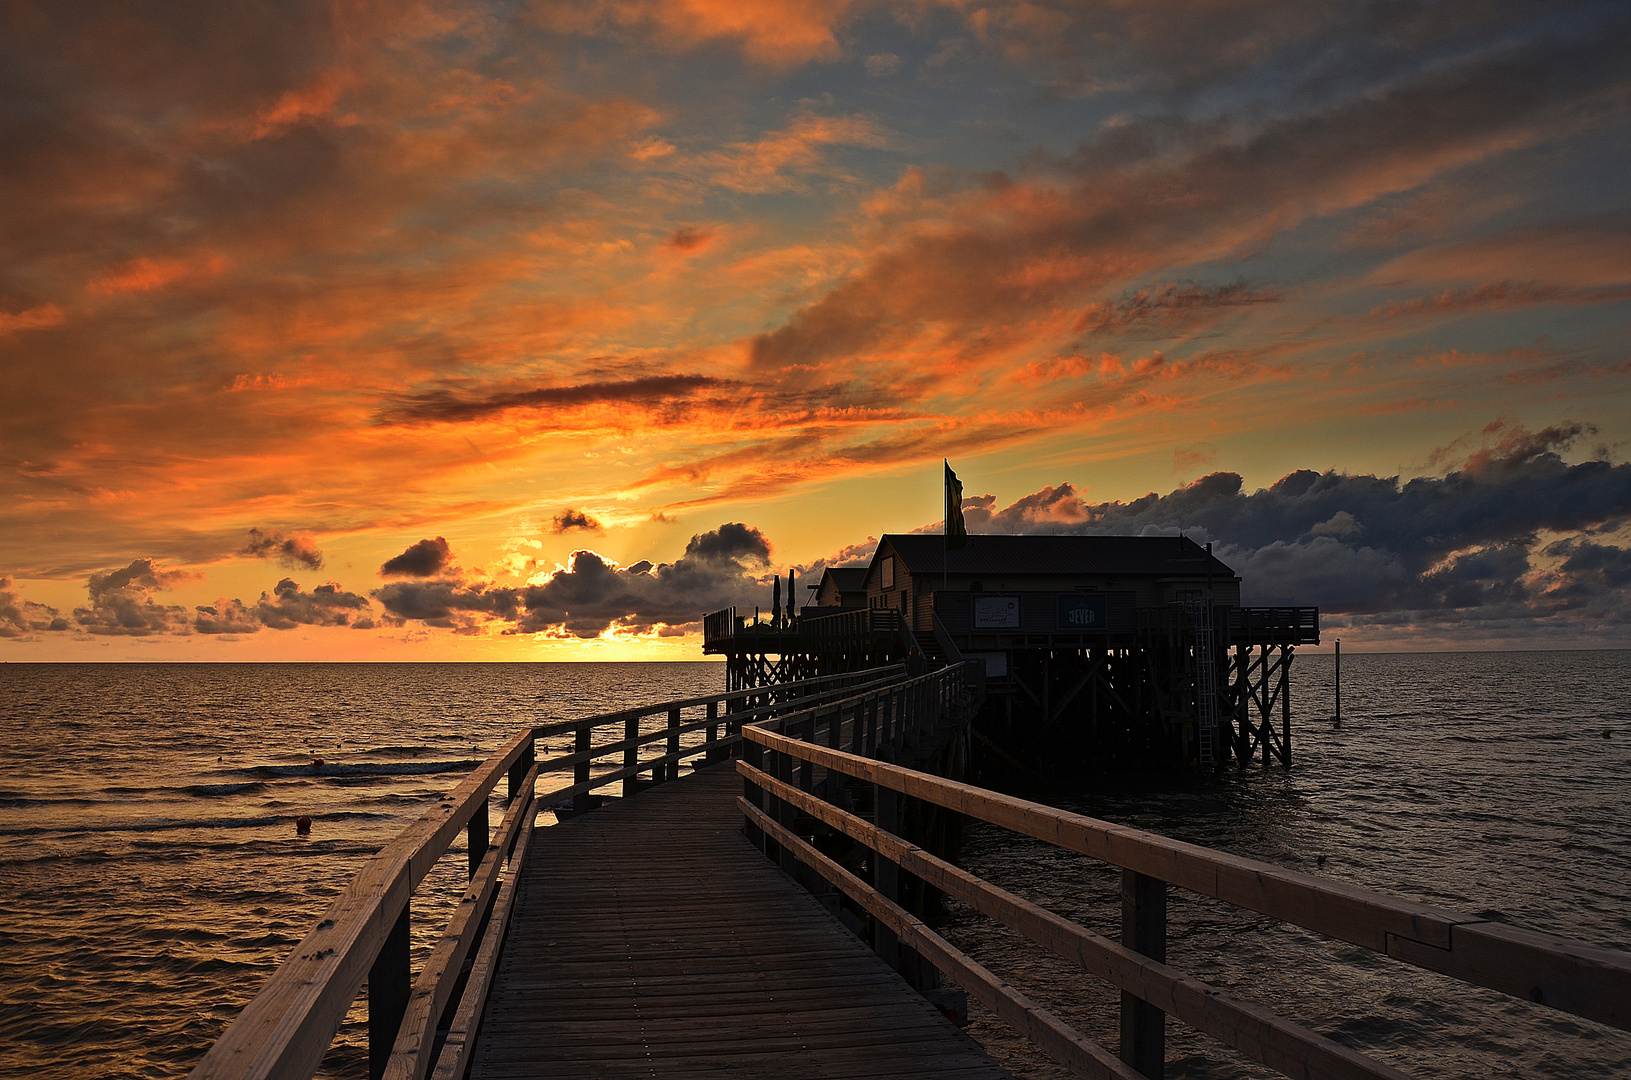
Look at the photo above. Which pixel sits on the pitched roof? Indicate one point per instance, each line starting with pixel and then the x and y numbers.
pixel 1163 556
pixel 847 578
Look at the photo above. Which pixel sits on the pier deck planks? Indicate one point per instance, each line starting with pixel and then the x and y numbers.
pixel 650 940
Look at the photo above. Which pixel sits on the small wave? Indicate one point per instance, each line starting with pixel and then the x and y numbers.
pixel 365 768
pixel 208 790
pixel 149 825
pixel 22 803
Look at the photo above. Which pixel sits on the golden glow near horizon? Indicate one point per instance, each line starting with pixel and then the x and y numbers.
pixel 590 318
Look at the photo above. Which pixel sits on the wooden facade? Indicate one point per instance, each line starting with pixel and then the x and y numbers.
pixel 1100 653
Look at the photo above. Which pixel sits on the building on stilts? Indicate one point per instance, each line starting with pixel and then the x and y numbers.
pixel 1099 653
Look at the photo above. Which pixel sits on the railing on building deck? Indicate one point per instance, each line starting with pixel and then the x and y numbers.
pixel 1272 625
pixel 782 812
pixel 814 629
pixel 286 1029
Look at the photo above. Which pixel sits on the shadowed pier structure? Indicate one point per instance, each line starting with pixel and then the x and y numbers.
pixel 652 940
pixel 1100 654
pixel 763 916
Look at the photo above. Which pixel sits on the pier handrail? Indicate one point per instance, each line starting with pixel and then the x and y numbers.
pixel 284 1031
pixel 781 805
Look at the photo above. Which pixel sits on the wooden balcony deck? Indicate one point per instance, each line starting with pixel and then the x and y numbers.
pixel 650 939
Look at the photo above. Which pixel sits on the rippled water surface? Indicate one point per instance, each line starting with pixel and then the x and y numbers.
pixel 150 875
pixel 1478 782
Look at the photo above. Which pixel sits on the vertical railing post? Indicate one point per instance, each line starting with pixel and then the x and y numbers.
pixel 631 755
pixel 835 728
pixel 806 767
pixel 785 812
pixel 886 874
pixel 580 772
pixel 1144 930
pixel 389 983
pixel 523 765
pixel 673 747
pixel 476 835
pixel 713 732
pixel 754 755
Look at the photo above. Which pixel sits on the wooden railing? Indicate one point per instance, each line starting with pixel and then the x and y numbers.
pixel 1271 625
pixel 847 627
pixel 783 770
pixel 364 935
pixel 814 628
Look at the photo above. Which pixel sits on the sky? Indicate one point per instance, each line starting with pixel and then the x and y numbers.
pixel 534 331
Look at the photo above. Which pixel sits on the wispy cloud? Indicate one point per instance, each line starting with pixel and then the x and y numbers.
pixel 445 406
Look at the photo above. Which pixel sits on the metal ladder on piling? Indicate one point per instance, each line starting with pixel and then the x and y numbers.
pixel 1206 680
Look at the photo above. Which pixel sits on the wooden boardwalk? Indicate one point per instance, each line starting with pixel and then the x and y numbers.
pixel 650 940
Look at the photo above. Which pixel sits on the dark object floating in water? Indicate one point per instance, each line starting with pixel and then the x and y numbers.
pixel 302 825
pixel 1607 732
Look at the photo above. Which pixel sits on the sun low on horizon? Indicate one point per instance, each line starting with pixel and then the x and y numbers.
pixel 536 331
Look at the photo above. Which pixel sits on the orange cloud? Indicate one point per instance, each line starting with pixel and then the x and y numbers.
pixel 145 274
pixel 313 101
pixel 34 318
pixel 1580 254
pixel 1497 296
pixel 781 160
pixel 776 33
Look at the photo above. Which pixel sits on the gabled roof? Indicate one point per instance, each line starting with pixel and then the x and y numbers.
pixel 1011 556
pixel 847 578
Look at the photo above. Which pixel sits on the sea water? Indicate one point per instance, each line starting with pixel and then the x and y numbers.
pixel 1478 782
pixel 151 876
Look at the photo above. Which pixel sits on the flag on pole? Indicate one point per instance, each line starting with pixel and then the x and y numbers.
pixel 956 534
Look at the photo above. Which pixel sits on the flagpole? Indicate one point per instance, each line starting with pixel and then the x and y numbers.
pixel 945 535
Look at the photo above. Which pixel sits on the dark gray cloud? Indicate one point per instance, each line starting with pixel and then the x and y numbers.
pixel 1167 310
pixel 226 617
pixel 1381 549
pixel 23 618
pixel 289 606
pixel 121 602
pixel 297 551
pixel 426 558
pixel 445 406
pixel 690 238
pixel 732 543
pixel 448 603
pixel 570 519
pixel 728 565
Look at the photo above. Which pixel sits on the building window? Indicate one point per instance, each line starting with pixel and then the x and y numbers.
pixel 887 569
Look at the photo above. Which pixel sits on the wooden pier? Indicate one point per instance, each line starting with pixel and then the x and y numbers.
pixel 756 922
pixel 651 940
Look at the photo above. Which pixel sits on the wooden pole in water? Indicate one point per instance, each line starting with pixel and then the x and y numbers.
pixel 1338 720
